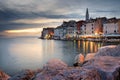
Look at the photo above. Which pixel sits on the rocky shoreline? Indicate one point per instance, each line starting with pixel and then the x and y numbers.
pixel 104 65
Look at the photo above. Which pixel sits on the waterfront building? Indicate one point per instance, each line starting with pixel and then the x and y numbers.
pixel 118 26
pixel 99 25
pixel 58 33
pixel 66 31
pixel 71 29
pixel 93 26
pixel 111 26
pixel 79 26
pixel 47 33
pixel 88 27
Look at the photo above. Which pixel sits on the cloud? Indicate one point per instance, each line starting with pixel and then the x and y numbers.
pixel 19 14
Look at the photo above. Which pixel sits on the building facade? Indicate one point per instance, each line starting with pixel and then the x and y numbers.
pixel 93 26
pixel 79 26
pixel 88 28
pixel 111 26
pixel 47 33
pixel 71 29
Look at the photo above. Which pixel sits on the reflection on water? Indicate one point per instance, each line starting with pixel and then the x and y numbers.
pixel 88 46
pixel 17 54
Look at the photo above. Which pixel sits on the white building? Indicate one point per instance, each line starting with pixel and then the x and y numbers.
pixel 111 26
pixel 88 28
pixel 66 30
pixel 71 29
pixel 58 33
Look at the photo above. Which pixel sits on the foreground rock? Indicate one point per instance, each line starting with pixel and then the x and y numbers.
pixel 58 70
pixel 107 66
pixel 77 73
pixel 24 75
pixel 89 56
pixel 110 50
pixel 98 68
pixel 51 69
pixel 4 76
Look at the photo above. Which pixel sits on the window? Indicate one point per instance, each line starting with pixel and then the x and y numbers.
pixel 106 32
pixel 92 24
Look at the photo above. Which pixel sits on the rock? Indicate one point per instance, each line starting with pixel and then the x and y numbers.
pixel 107 66
pixel 24 75
pixel 56 64
pixel 4 76
pixel 79 60
pixel 110 50
pixel 52 68
pixel 89 56
pixel 74 73
pixel 58 70
pixel 78 74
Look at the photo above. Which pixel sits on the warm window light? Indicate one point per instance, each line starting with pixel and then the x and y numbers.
pixel 96 33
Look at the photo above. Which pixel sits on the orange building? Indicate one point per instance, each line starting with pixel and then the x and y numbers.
pixel 119 26
pixel 79 25
pixel 99 25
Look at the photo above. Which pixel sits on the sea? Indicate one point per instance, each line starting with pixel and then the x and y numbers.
pixel 20 53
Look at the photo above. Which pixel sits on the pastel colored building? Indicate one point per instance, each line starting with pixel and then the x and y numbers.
pixel 111 26
pixel 88 27
pixel 93 26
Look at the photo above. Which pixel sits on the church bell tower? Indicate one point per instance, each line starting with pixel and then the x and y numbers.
pixel 87 15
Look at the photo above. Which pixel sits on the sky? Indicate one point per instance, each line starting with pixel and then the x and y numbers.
pixel 28 17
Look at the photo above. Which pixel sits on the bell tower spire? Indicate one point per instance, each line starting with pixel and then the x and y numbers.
pixel 87 15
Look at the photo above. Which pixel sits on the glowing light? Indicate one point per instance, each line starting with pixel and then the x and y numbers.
pixel 32 30
pixel 96 33
pixel 39 20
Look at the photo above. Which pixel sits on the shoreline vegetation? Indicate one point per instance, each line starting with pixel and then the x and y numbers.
pixel 103 65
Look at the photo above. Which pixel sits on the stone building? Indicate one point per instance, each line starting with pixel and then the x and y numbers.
pixel 93 26
pixel 79 25
pixel 58 32
pixel 88 28
pixel 118 26
pixel 66 31
pixel 71 29
pixel 99 25
pixel 111 26
pixel 47 33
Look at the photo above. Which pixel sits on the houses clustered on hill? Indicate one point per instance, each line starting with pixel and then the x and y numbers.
pixel 84 28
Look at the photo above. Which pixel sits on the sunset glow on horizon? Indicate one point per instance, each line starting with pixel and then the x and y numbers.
pixel 31 30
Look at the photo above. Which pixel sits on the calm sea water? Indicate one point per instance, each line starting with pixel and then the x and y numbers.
pixel 21 53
